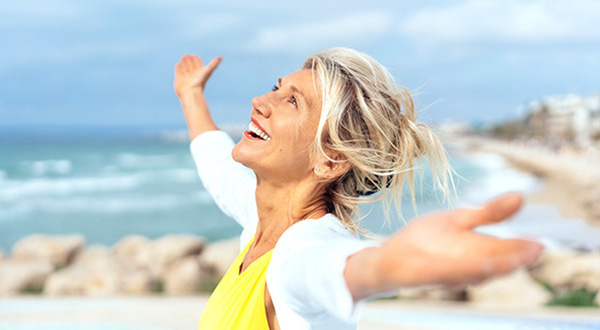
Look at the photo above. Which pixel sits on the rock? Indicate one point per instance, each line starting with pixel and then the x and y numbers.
pixel 17 275
pixel 432 293
pixel 518 289
pixel 98 272
pixel 138 282
pixel 59 250
pixel 184 276
pixel 564 270
pixel 67 281
pixel 92 254
pixel 551 268
pixel 135 250
pixel 218 256
pixel 171 248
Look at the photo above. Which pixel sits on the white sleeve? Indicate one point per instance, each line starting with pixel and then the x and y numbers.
pixel 307 273
pixel 231 185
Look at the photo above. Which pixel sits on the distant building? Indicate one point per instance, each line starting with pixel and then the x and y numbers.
pixel 573 119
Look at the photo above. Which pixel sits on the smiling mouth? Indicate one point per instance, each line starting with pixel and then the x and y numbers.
pixel 256 132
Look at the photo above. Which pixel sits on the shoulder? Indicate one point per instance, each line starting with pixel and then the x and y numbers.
pixel 310 233
pixel 328 226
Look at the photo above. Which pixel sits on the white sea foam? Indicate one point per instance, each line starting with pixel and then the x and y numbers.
pixel 102 204
pixel 170 175
pixel 11 190
pixel 498 179
pixel 138 161
pixel 47 167
pixel 534 221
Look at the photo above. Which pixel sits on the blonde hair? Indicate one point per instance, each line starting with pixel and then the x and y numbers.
pixel 370 121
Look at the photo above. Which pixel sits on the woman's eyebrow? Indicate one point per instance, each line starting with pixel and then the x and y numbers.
pixel 297 91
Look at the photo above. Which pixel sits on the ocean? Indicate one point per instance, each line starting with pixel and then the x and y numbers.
pixel 109 183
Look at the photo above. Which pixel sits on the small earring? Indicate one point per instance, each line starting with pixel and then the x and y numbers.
pixel 317 170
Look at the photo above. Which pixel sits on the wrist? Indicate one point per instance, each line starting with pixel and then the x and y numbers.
pixel 189 92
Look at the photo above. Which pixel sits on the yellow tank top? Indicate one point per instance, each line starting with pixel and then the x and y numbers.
pixel 238 302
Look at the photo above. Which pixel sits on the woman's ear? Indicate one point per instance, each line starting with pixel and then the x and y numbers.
pixel 329 169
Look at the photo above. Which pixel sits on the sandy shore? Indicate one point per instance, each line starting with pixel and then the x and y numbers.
pixel 571 181
pixel 563 194
pixel 152 313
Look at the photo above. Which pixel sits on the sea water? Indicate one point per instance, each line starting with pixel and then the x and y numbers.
pixel 106 184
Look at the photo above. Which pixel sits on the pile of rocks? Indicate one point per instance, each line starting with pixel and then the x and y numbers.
pixel 186 264
pixel 562 270
pixel 62 265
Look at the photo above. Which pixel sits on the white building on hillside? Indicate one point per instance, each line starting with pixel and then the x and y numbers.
pixel 570 118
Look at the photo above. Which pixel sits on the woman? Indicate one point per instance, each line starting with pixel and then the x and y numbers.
pixel 336 133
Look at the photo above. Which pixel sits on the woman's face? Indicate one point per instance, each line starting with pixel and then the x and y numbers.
pixel 282 130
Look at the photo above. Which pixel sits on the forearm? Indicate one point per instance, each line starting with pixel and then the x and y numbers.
pixel 362 274
pixel 196 112
pixel 381 269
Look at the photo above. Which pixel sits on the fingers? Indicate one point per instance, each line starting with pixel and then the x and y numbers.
pixel 470 270
pixel 495 211
pixel 193 62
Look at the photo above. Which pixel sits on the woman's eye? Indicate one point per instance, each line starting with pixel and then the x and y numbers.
pixel 293 101
pixel 274 88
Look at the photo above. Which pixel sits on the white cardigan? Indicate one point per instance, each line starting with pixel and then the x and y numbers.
pixel 306 273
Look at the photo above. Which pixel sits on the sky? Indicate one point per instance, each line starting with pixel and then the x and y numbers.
pixel 68 63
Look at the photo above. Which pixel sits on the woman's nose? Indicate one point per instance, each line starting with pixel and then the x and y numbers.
pixel 261 105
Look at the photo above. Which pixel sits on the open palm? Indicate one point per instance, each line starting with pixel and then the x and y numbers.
pixel 191 73
pixel 443 249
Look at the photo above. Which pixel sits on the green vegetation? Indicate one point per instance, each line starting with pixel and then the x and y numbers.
pixel 209 286
pixel 31 290
pixel 158 287
pixel 581 297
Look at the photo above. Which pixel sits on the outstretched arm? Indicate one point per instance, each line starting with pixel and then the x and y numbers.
pixel 441 249
pixel 191 76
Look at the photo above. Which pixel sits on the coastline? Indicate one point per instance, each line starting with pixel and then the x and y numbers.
pixel 561 191
pixel 570 180
pixel 542 183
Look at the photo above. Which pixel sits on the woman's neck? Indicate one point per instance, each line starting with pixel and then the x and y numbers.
pixel 282 205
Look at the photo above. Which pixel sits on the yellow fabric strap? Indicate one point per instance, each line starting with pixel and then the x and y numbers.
pixel 238 302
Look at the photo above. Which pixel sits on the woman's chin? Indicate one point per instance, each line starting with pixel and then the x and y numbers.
pixel 243 155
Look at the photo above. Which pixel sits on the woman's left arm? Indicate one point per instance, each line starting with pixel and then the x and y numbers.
pixel 441 249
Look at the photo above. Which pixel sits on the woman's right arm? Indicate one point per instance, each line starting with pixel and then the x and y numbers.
pixel 191 76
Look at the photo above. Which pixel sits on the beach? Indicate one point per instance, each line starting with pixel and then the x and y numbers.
pixel 552 215
pixel 182 313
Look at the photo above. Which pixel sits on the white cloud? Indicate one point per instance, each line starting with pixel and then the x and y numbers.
pixel 354 28
pixel 512 21
pixel 38 13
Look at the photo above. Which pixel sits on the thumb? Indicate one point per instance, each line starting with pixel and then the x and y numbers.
pixel 214 63
pixel 495 211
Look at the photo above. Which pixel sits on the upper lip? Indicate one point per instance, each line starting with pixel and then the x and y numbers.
pixel 253 120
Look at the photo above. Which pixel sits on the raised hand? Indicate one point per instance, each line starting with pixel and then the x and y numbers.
pixel 191 76
pixel 442 249
pixel 191 73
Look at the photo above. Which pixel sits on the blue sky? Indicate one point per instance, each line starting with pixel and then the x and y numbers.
pixel 110 63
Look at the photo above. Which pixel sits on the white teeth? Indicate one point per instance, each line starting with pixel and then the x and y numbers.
pixel 254 129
